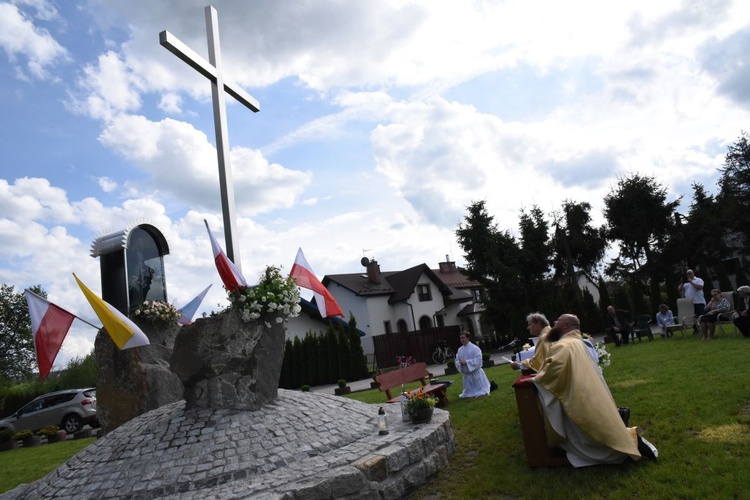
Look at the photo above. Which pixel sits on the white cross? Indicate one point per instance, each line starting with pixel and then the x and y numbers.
pixel 213 71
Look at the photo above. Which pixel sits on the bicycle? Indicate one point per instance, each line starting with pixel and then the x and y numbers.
pixel 442 352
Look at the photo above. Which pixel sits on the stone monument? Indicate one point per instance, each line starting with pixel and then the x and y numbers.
pixel 237 436
pixel 225 362
pixel 134 381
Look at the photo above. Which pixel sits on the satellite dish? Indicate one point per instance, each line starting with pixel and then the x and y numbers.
pixel 365 261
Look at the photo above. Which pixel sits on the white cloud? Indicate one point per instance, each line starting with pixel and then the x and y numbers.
pixel 20 38
pixel 110 87
pixel 170 103
pixel 108 185
pixel 181 162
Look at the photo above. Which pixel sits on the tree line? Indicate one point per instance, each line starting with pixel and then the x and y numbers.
pixel 539 269
pixel 324 358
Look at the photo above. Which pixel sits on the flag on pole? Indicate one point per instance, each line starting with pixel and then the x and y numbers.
pixel 188 310
pixel 305 277
pixel 230 275
pixel 49 325
pixel 124 333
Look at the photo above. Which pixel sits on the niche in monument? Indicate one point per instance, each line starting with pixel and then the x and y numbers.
pixel 132 266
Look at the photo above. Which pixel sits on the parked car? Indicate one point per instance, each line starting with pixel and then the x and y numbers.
pixel 70 410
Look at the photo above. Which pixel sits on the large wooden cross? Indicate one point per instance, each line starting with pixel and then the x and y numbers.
pixel 212 70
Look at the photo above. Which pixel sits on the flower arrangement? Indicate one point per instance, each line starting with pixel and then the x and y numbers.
pixel 275 298
pixel 603 354
pixel 601 350
pixel 419 401
pixel 157 312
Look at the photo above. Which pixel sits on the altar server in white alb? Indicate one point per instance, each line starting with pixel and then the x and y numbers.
pixel 469 362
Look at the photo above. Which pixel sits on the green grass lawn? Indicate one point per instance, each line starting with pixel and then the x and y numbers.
pixel 691 397
pixel 25 465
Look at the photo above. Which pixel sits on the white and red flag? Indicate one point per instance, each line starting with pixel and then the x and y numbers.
pixel 49 324
pixel 230 275
pixel 305 277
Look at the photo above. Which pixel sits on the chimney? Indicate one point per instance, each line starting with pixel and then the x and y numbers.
pixel 373 272
pixel 447 266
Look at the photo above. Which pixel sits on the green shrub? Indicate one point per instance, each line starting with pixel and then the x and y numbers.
pixel 485 356
pixel 341 383
pixel 22 435
pixel 451 363
pixel 5 435
pixel 305 388
pixel 48 431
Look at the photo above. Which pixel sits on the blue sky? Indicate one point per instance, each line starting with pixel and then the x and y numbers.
pixel 380 122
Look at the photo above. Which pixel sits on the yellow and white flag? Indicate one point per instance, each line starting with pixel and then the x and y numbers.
pixel 125 334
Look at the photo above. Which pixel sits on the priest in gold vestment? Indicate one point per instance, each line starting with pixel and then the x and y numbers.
pixel 581 415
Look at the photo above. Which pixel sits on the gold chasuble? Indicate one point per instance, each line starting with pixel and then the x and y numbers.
pixel 541 348
pixel 570 375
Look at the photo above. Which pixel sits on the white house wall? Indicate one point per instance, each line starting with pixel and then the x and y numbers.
pixel 299 326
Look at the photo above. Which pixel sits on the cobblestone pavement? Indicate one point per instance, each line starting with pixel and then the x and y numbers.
pixel 303 445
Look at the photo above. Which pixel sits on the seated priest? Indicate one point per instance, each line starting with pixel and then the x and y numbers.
pixel 530 362
pixel 581 415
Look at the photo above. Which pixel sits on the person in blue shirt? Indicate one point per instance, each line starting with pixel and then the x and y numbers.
pixel 665 318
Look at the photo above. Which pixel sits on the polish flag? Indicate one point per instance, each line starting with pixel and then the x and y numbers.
pixel 230 275
pixel 305 277
pixel 50 325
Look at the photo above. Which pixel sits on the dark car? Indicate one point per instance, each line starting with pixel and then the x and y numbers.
pixel 70 410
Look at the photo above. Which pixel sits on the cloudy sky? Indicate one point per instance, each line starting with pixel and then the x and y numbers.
pixel 380 122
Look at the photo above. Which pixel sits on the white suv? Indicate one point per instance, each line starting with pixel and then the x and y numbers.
pixel 70 410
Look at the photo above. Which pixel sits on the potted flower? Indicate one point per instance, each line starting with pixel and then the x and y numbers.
pixel 451 367
pixel 28 438
pixel 6 440
pixel 420 406
pixel 52 433
pixel 486 360
pixel 342 388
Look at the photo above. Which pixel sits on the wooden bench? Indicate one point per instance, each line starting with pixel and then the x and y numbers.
pixel 411 373
pixel 538 452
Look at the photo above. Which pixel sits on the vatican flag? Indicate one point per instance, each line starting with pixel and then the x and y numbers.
pixel 125 334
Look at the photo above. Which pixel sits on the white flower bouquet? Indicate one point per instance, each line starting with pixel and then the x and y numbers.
pixel 603 354
pixel 157 312
pixel 274 299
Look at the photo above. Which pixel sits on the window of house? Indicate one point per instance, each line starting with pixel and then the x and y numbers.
pixel 401 326
pixel 477 295
pixel 440 320
pixel 387 326
pixel 424 293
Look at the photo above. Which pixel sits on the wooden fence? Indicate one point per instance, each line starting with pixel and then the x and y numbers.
pixel 419 344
